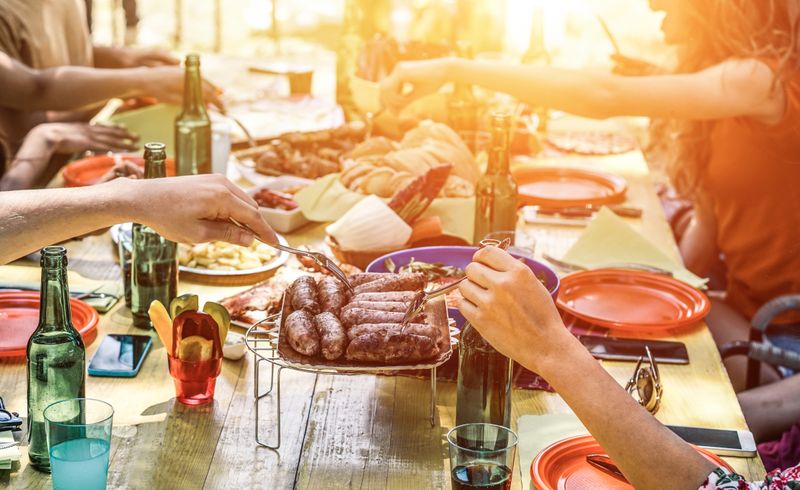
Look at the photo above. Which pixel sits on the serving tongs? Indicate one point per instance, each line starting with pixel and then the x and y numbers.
pixel 319 258
pixel 417 304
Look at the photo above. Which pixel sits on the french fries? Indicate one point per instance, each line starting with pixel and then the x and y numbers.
pixel 225 256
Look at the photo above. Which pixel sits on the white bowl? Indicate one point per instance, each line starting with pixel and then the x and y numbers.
pixel 281 220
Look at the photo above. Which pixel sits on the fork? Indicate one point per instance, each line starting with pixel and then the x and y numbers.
pixel 417 305
pixel 319 258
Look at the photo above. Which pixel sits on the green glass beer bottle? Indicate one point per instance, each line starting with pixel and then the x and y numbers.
pixel 154 259
pixel 496 191
pixel 192 126
pixel 55 353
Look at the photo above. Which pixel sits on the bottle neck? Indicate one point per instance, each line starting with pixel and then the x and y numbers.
pixel 499 160
pixel 54 309
pixel 193 91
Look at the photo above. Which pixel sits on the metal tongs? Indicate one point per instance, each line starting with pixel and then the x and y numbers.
pixel 319 258
pixel 417 305
pixel 603 463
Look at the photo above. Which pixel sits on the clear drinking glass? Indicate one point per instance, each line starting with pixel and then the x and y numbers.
pixel 482 456
pixel 79 438
pixel 523 243
pixel 124 249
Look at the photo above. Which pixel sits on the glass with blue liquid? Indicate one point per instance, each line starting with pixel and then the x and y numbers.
pixel 79 438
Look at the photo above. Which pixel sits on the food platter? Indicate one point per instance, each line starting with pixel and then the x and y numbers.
pixel 220 277
pixel 557 187
pixel 563 466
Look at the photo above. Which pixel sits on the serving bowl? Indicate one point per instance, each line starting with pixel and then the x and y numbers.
pixel 460 257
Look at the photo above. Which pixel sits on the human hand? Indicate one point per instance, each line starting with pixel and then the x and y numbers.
pixel 511 309
pixel 411 80
pixel 632 67
pixel 74 137
pixel 198 208
pixel 166 84
pixel 122 168
pixel 150 57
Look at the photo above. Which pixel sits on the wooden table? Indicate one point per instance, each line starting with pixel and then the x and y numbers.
pixel 338 431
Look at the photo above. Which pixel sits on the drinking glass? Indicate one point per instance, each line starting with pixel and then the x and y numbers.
pixel 79 439
pixel 522 243
pixel 124 249
pixel 481 456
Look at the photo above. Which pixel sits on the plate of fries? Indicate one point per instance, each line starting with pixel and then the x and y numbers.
pixel 231 264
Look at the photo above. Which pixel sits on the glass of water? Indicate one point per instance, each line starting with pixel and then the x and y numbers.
pixel 79 438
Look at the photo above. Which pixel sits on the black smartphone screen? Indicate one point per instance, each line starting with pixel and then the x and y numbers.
pixel 120 353
pixel 698 436
pixel 610 348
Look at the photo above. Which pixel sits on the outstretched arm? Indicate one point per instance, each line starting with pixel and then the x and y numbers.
pixel 730 89
pixel 182 209
pixel 506 302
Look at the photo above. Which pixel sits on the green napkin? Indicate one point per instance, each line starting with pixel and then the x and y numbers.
pixel 609 240
pixel 327 200
pixel 536 432
pixel 151 123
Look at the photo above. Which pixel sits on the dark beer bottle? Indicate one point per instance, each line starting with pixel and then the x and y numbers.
pixel 484 382
pixel 496 191
pixel 154 259
pixel 193 126
pixel 55 354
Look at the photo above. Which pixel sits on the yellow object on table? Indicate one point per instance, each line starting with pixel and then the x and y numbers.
pixel 536 432
pixel 328 200
pixel 151 123
pixel 609 240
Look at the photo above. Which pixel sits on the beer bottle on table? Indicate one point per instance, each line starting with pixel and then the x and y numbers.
pixel 484 381
pixel 193 126
pixel 462 108
pixel 496 191
pixel 154 259
pixel 55 354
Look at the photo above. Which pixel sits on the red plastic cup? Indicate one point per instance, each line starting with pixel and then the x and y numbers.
pixel 194 380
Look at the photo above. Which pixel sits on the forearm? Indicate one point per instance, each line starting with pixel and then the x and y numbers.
pixel 66 88
pixel 108 57
pixel 649 454
pixel 33 219
pixel 29 162
pixel 771 409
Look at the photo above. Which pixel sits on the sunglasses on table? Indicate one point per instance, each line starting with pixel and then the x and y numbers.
pixel 9 420
pixel 645 384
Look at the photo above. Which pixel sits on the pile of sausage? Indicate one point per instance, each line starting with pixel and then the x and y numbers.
pixel 363 327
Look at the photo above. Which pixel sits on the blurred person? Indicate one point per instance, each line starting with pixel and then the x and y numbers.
pixel 72 87
pixel 737 96
pixel 187 209
pixel 131 19
pixel 505 301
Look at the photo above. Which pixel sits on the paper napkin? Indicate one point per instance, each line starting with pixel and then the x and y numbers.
pixel 9 455
pixel 536 432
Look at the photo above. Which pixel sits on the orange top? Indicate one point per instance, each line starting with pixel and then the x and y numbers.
pixel 754 181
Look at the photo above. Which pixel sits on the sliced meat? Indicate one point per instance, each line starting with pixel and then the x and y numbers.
pixel 332 294
pixel 377 305
pixel 356 316
pixel 301 333
pixel 402 296
pixel 393 282
pixel 390 348
pixel 303 295
pixel 422 329
pixel 333 339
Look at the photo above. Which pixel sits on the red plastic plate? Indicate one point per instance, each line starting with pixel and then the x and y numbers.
pixel 563 187
pixel 19 315
pixel 87 171
pixel 633 301
pixel 563 466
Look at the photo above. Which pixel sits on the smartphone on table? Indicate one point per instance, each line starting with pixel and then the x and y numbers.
pixel 120 355
pixel 615 349
pixel 722 442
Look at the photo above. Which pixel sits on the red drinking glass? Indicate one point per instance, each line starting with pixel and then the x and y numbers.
pixel 195 380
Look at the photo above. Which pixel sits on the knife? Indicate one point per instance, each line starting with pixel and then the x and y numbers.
pixel 603 463
pixel 589 211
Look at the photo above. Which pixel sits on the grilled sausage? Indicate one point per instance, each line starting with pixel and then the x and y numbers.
pixel 390 348
pixel 377 305
pixel 393 282
pixel 333 339
pixel 365 277
pixel 422 329
pixel 402 296
pixel 332 294
pixel 303 295
pixel 355 316
pixel 301 333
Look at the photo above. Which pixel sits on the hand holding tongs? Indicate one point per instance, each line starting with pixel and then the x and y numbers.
pixel 320 259
pixel 417 305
